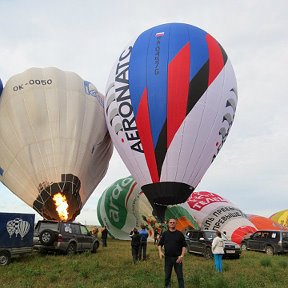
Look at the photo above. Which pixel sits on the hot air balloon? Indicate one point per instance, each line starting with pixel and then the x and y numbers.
pixel 213 212
pixel 264 223
pixel 170 103
pixel 281 218
pixel 123 206
pixel 53 140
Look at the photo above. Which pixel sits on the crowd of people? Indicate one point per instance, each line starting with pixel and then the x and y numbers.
pixel 171 246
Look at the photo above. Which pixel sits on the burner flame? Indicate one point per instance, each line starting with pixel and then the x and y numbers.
pixel 61 206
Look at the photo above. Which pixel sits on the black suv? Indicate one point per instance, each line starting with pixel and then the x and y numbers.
pixel 269 241
pixel 200 242
pixel 67 237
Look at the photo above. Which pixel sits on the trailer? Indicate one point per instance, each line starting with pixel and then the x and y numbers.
pixel 16 235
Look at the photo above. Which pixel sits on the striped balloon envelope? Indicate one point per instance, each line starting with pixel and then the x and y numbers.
pixel 170 103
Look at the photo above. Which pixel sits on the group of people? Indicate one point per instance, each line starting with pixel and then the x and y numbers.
pixel 174 245
pixel 139 243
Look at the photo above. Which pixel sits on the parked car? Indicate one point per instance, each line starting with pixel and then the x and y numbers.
pixel 269 241
pixel 65 237
pixel 200 242
pixel 16 235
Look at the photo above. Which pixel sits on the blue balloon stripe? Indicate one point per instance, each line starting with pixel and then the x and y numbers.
pixel 198 50
pixel 179 36
pixel 138 69
pixel 157 67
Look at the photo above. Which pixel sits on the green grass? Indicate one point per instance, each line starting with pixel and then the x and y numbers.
pixel 112 267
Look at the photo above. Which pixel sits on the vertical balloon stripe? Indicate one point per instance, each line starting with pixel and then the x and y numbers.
pixel 178 38
pixel 143 125
pixel 216 62
pixel 178 86
pixel 160 149
pixel 138 70
pixel 157 70
pixel 198 85
pixel 199 50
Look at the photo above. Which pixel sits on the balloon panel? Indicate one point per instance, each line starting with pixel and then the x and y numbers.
pixel 214 212
pixel 122 207
pixel 53 138
pixel 281 218
pixel 170 103
pixel 264 223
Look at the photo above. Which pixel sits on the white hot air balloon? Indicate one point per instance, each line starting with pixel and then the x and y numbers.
pixel 53 140
pixel 23 228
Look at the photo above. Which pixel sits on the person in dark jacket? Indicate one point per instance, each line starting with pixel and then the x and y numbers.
pixel 104 237
pixel 135 244
pixel 143 242
pixel 175 248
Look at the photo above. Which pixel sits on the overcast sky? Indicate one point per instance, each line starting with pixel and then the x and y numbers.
pixel 86 36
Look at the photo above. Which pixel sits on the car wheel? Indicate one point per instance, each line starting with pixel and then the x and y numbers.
pixel 207 253
pixel 269 250
pixel 47 237
pixel 95 247
pixel 5 258
pixel 243 246
pixel 71 249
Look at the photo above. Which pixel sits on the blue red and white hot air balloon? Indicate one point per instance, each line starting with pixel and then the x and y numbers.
pixel 170 103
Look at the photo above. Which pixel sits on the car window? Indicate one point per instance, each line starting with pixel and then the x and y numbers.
pixel 47 225
pixel 210 235
pixel 257 235
pixel 84 230
pixel 194 235
pixel 67 228
pixel 264 235
pixel 76 229
pixel 285 235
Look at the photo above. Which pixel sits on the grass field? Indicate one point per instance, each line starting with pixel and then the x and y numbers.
pixel 112 267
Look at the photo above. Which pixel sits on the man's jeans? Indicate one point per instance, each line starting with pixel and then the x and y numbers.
pixel 170 262
pixel 143 247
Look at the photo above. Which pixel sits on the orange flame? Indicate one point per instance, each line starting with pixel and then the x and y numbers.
pixel 61 206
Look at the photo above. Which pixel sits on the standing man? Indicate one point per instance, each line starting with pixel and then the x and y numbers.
pixel 135 244
pixel 175 247
pixel 104 237
pixel 143 242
